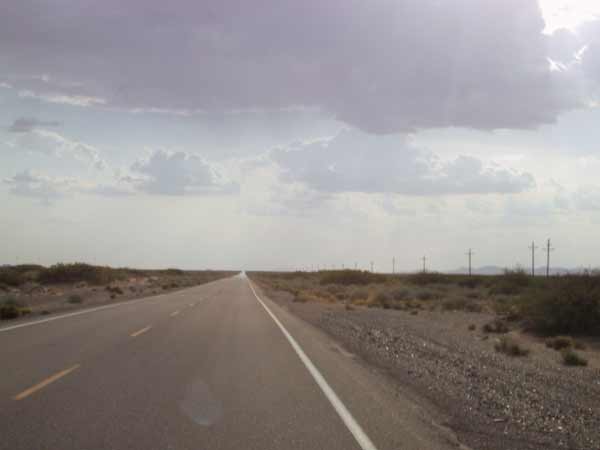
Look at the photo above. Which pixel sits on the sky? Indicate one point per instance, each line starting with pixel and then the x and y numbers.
pixel 284 135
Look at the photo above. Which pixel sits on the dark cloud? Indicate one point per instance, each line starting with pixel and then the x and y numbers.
pixel 380 65
pixel 27 124
pixel 357 162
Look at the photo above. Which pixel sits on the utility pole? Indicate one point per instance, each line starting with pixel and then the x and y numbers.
pixel 424 258
pixel 470 254
pixel 371 266
pixel 393 265
pixel 532 247
pixel 548 249
pixel 355 266
pixel 343 267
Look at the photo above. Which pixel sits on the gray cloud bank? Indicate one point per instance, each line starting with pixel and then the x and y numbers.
pixel 382 65
pixel 358 162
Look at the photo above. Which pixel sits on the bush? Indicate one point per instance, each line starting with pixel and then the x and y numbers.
pixel 400 294
pixel 570 305
pixel 460 304
pixel 10 308
pixel 8 311
pixel 563 342
pixel 75 299
pixel 495 326
pixel 425 278
pixel 359 294
pixel 73 273
pixel 381 299
pixel 472 327
pixel 513 282
pixel 426 295
pixel 471 282
pixel 349 277
pixel 11 277
pixel 572 358
pixel 509 346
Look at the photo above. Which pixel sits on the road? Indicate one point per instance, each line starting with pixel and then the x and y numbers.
pixel 216 366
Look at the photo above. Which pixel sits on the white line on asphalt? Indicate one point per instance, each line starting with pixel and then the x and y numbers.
pixel 361 437
pixel 77 313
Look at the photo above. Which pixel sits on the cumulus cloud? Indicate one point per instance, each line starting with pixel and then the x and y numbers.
pixel 356 162
pixel 178 173
pixel 380 65
pixel 54 144
pixel 27 124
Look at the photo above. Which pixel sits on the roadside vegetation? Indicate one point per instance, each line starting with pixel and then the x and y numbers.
pixel 554 308
pixel 30 288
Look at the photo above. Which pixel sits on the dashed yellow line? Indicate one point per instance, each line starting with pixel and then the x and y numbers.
pixel 174 313
pixel 46 382
pixel 142 331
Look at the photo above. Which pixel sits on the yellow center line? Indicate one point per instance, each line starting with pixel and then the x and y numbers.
pixel 45 383
pixel 174 313
pixel 143 330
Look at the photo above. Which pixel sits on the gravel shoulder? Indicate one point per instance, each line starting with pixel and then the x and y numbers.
pixel 490 400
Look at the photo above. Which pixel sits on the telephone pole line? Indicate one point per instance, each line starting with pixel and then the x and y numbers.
pixel 548 249
pixel 470 254
pixel 393 265
pixel 424 258
pixel 532 247
pixel 371 266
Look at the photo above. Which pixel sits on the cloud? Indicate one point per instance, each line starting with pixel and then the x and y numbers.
pixel 178 173
pixel 381 65
pixel 353 161
pixel 54 144
pixel 74 100
pixel 27 124
pixel 32 184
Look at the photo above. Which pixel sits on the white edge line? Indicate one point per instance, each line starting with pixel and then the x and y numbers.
pixel 361 437
pixel 76 313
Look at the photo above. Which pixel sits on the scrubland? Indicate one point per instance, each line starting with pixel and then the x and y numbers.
pixel 36 290
pixel 507 361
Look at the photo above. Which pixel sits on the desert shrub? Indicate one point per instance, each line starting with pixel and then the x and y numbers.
pixel 471 282
pixel 303 297
pixel 425 278
pixel 472 327
pixel 572 358
pixel 359 294
pixel 349 307
pixel 510 346
pixel 563 342
pixel 513 282
pixel 75 299
pixel 11 277
pixel 73 273
pixel 381 299
pixel 10 308
pixel 349 277
pixel 400 294
pixel 474 295
pixel 460 304
pixel 496 326
pixel 116 290
pixel 174 272
pixel 427 295
pixel 571 305
pixel 414 312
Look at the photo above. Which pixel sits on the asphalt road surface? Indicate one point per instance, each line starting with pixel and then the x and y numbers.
pixel 217 366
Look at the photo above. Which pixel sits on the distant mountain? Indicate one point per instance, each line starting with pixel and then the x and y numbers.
pixel 497 270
